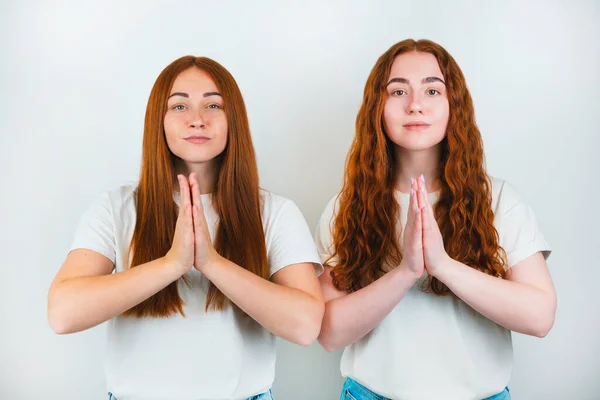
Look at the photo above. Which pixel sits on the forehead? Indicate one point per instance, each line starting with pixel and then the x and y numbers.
pixel 415 66
pixel 193 80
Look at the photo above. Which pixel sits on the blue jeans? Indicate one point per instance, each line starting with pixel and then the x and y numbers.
pixel 263 396
pixel 353 390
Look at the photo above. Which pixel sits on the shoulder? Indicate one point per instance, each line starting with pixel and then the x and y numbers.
pixel 121 197
pixel 504 195
pixel 273 204
pixel 113 201
pixel 123 193
pixel 330 210
pixel 323 233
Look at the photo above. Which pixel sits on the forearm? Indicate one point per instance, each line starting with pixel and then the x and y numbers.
pixel 516 306
pixel 80 303
pixel 349 318
pixel 289 313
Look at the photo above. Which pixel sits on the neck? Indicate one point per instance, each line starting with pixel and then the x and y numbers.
pixel 413 163
pixel 206 173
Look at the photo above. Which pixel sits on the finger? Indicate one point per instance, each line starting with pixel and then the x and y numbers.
pixel 187 204
pixel 189 226
pixel 414 186
pixel 198 207
pixel 185 192
pixel 423 203
pixel 412 204
pixel 185 209
pixel 181 205
pixel 195 188
pixel 421 192
pixel 426 204
pixel 418 229
pixel 200 224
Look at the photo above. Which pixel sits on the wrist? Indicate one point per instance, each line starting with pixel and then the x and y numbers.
pixel 173 267
pixel 213 262
pixel 408 273
pixel 443 268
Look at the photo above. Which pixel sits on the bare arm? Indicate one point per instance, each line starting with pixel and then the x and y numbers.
pixel 349 317
pixel 291 306
pixel 524 302
pixel 85 293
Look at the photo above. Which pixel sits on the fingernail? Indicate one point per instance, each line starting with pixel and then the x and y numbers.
pixel 418 210
pixel 412 192
pixel 422 178
pixel 412 181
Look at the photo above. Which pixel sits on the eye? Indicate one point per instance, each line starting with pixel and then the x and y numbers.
pixel 433 92
pixel 215 106
pixel 178 107
pixel 399 92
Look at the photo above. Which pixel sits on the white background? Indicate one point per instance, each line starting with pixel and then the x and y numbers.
pixel 74 82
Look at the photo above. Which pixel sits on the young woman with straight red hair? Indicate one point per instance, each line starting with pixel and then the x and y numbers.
pixel 208 267
pixel 430 262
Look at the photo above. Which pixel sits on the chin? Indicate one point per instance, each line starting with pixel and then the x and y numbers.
pixel 417 143
pixel 198 157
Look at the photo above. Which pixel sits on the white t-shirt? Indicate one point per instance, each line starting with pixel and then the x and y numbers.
pixel 214 355
pixel 438 347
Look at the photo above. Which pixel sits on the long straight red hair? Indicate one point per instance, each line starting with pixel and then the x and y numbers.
pixel 236 199
pixel 365 237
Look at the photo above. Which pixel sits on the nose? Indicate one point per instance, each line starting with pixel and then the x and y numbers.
pixel 197 120
pixel 415 106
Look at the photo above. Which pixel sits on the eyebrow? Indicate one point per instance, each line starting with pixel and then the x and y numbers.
pixel 207 94
pixel 429 79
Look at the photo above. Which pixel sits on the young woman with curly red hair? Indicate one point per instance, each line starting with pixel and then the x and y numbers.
pixel 430 262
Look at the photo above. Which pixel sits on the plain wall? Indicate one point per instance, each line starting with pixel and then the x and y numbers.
pixel 74 82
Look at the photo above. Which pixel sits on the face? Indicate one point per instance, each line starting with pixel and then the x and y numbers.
pixel 416 109
pixel 195 122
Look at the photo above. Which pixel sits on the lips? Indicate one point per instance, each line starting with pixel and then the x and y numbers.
pixel 416 126
pixel 197 139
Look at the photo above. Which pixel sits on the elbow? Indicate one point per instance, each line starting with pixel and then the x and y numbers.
pixel 59 324
pixel 310 326
pixel 327 345
pixel 328 341
pixel 305 339
pixel 543 327
pixel 58 319
pixel 545 320
pixel 327 337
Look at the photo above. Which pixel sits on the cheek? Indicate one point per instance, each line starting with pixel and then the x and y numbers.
pixel 220 126
pixel 442 113
pixel 170 129
pixel 392 113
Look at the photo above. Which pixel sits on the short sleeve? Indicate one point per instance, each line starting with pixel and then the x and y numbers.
pixel 323 234
pixel 95 230
pixel 520 236
pixel 289 240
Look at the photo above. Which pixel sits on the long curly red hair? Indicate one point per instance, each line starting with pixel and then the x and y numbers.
pixel 365 236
